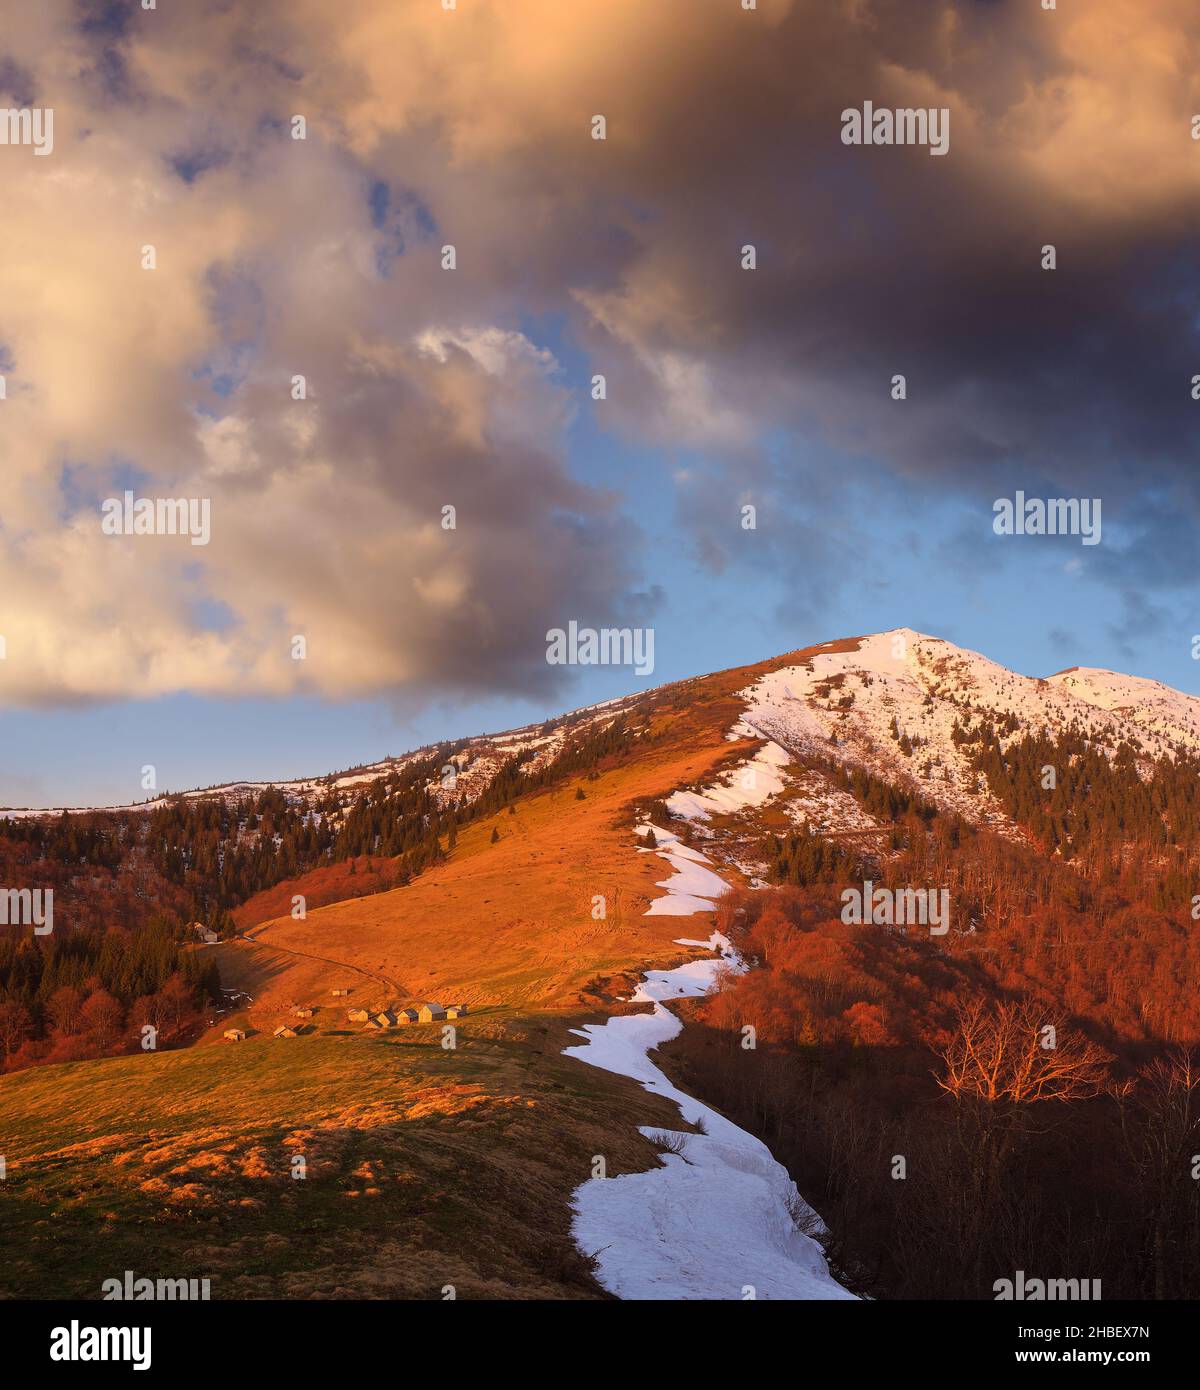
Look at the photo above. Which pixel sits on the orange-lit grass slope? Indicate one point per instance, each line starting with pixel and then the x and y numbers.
pixel 508 922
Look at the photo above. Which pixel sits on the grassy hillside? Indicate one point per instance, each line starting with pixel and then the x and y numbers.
pixel 508 922
pixel 425 1167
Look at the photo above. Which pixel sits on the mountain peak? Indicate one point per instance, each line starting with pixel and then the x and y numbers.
pixel 897 704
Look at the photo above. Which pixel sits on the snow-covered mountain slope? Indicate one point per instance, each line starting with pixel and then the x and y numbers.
pixel 890 703
pixel 1154 707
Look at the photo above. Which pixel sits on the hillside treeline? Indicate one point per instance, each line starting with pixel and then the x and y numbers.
pixel 92 992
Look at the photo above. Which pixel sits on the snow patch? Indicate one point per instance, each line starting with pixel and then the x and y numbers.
pixel 755 781
pixel 717 1219
pixel 691 887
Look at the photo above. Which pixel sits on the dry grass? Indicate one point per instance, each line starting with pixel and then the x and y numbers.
pixel 508 923
pixel 423 1167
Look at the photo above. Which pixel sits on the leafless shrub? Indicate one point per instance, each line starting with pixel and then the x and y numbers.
pixel 669 1139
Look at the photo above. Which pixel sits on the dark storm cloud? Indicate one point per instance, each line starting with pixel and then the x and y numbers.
pixel 1071 131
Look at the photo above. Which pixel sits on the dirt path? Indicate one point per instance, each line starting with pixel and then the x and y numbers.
pixel 250 936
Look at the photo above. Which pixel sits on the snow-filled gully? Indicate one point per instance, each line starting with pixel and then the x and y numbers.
pixel 717 1221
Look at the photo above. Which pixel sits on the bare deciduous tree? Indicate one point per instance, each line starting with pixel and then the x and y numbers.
pixel 998 1054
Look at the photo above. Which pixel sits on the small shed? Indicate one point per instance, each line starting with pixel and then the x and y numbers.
pixel 385 1019
pixel 358 1015
pixel 340 993
pixel 406 1016
pixel 304 1013
pixel 283 1031
pixel 456 1010
pixel 429 1012
pixel 235 1034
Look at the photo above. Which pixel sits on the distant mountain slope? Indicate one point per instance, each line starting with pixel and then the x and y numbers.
pixel 1154 707
pixel 469 768
pixel 838 697
pixel 893 701
pixel 938 723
